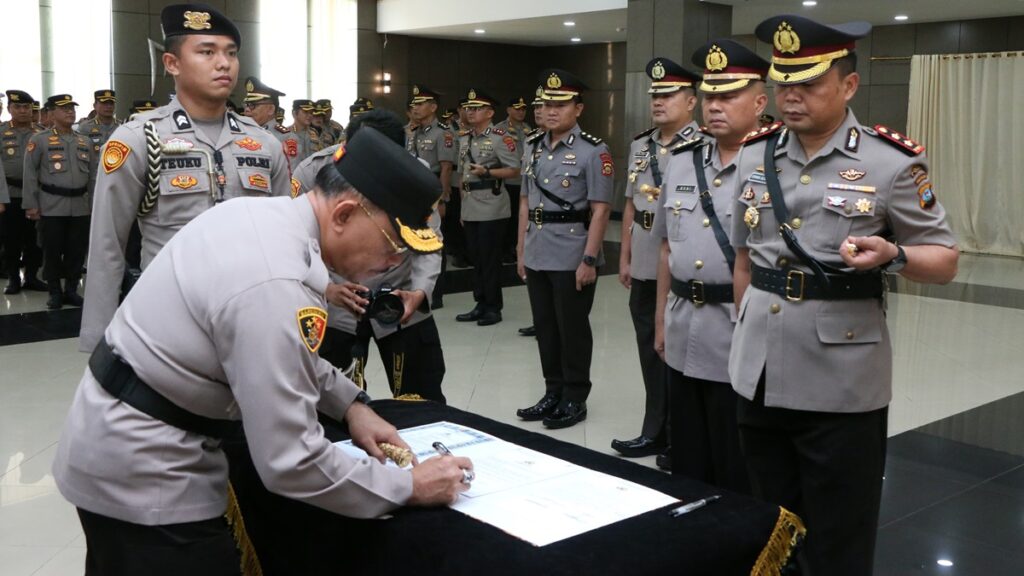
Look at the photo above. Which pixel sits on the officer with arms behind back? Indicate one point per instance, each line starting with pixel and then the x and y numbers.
pixel 18 233
pixel 824 206
pixel 168 166
pixel 140 456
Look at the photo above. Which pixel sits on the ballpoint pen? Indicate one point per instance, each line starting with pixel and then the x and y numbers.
pixel 467 475
pixel 685 508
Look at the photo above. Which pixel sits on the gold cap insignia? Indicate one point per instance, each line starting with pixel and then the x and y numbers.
pixel 422 240
pixel 197 20
pixel 786 40
pixel 249 86
pixel 554 82
pixel 540 91
pixel 415 90
pixel 472 94
pixel 15 98
pixel 716 60
pixel 658 71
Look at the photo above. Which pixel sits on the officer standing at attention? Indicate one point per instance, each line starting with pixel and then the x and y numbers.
pixel 337 131
pixel 320 125
pixel 695 314
pixel 186 361
pixel 102 125
pixel 516 127
pixel 563 212
pixel 487 156
pixel 302 128
pixel 261 102
pixel 59 177
pixel 20 246
pixel 529 148
pixel 824 206
pixel 360 106
pixel 168 166
pixel 672 102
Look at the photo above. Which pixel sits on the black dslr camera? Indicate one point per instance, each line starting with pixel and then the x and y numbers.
pixel 384 306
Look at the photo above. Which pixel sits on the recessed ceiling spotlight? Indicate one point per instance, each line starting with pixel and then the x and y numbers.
pixel 810 3
pixel 901 17
pixel 944 562
pixel 569 23
pixel 575 39
pixel 479 31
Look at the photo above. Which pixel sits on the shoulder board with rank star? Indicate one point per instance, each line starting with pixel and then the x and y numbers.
pixel 498 131
pixel 534 136
pixel 590 138
pixel 908 146
pixel 282 129
pixel 764 131
pixel 704 130
pixel 687 145
pixel 645 133
pixel 444 126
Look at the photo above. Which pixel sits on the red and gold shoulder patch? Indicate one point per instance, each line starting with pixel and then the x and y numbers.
pixel 762 132
pixel 312 326
pixel 31 146
pixel 510 142
pixel 248 143
pixel 925 194
pixel 449 140
pixel 114 154
pixel 606 164
pixel 183 181
pixel 296 186
pixel 291 147
pixel 258 181
pixel 902 142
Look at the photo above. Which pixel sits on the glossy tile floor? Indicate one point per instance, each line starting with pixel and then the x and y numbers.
pixel 954 487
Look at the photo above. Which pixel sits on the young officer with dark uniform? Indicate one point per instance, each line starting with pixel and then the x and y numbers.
pixel 59 176
pixel 824 206
pixel 261 102
pixel 211 339
pixel 99 128
pixel 695 313
pixel 487 157
pixel 564 211
pixel 672 104
pixel 19 233
pixel 168 166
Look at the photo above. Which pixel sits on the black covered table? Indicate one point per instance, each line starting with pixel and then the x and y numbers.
pixel 735 535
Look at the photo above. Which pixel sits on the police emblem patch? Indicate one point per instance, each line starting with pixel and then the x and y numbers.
pixel 606 164
pixel 197 20
pixel 312 326
pixel 114 155
pixel 296 186
pixel 249 144
pixel 291 147
pixel 258 181
pixel 183 181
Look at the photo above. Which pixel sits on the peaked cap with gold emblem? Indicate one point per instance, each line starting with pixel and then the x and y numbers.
pixel 668 77
pixel 560 85
pixel 105 95
pixel 257 91
pixel 478 98
pixel 184 19
pixel 421 94
pixel 728 66
pixel 804 49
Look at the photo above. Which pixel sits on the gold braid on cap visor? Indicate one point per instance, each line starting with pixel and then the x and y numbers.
pixel 739 81
pixel 422 240
pixel 822 62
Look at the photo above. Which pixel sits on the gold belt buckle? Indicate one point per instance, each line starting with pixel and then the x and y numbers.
pixel 538 216
pixel 789 285
pixel 697 292
pixel 647 220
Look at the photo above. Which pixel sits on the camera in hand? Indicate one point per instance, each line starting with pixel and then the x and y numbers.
pixel 384 306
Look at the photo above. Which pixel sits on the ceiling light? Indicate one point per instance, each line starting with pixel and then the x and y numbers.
pixel 810 3
pixel 575 39
pixel 901 17
pixel 479 31
pixel 944 562
pixel 569 23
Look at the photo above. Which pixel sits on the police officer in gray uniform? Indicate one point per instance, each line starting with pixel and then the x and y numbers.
pixel 564 211
pixel 100 127
pixel 261 102
pixel 672 104
pixel 302 129
pixel 487 157
pixel 695 294
pixel 824 206
pixel 185 362
pixel 168 166
pixel 59 176
pixel 514 125
pixel 19 233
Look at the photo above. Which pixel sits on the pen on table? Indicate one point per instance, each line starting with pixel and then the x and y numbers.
pixel 685 508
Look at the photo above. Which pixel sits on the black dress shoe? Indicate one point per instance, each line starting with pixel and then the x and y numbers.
pixel 72 298
pixel 471 316
pixel 437 304
pixel 528 331
pixel 567 415
pixel 664 460
pixel 542 408
pixel 13 285
pixel 637 447
pixel 489 319
pixel 33 283
pixel 55 301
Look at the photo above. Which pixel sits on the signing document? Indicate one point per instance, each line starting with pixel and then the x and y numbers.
pixel 538 498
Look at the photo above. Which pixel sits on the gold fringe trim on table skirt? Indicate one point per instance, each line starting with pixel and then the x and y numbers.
pixel 788 533
pixel 250 563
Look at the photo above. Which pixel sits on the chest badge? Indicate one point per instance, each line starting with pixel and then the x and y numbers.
pixel 10 151
pixel 766 198
pixel 836 201
pixel 863 205
pixel 748 194
pixel 249 144
pixel 183 181
pixel 566 183
pixel 852 175
pixel 751 217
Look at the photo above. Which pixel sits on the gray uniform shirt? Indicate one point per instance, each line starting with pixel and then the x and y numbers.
pixel 189 330
pixel 253 165
pixel 433 143
pixel 5 195
pixel 647 154
pixel 826 355
pixel 697 338
pixel 13 143
pixel 289 141
pixel 493 149
pixel 518 133
pixel 96 132
pixel 577 169
pixel 64 160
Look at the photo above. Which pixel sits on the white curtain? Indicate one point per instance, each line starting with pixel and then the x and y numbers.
pixel 968 111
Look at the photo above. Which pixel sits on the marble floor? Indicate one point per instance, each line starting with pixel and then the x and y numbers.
pixel 954 487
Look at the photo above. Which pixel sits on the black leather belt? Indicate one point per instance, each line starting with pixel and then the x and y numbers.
pixel 58 191
pixel 119 379
pixel 492 185
pixel 796 285
pixel 700 293
pixel 540 216
pixel 14 181
pixel 644 218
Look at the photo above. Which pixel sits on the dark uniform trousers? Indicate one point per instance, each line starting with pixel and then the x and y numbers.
pixel 412 356
pixel 643 297
pixel 705 437
pixel 65 241
pixel 827 468
pixel 451 228
pixel 484 242
pixel 20 242
pixel 561 315
pixel 119 548
pixel 512 235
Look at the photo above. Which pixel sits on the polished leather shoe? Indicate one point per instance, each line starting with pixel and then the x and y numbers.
pixel 664 460
pixel 72 298
pixel 33 283
pixel 489 319
pixel 567 415
pixel 55 301
pixel 542 408
pixel 471 316
pixel 13 286
pixel 638 447
pixel 528 331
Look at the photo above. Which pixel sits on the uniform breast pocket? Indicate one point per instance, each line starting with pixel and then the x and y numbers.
pixel 678 205
pixel 255 182
pixel 847 213
pixel 426 145
pixel 56 164
pixel 83 161
pixel 183 196
pixel 848 328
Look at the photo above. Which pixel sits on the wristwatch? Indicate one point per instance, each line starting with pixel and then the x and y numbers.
pixel 590 260
pixel 897 263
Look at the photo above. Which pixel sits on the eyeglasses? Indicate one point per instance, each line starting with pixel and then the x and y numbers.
pixel 398 249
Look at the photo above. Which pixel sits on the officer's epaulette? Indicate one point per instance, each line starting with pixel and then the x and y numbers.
pixel 464 132
pixel 532 137
pixel 645 133
pixel 281 129
pixel 498 131
pixel 704 130
pixel 687 145
pixel 590 138
pixel 444 126
pixel 906 145
pixel 764 131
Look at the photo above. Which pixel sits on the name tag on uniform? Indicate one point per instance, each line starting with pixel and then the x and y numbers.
pixel 757 178
pixel 685 189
